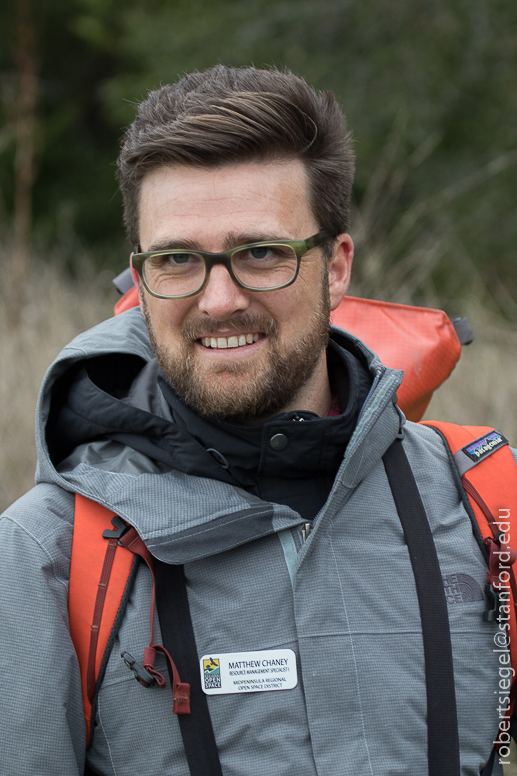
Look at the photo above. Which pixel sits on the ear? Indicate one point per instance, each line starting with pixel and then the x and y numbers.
pixel 136 280
pixel 339 270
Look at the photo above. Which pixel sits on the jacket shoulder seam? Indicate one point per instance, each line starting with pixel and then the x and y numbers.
pixel 38 543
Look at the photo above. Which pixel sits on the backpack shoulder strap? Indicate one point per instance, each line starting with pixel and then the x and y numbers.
pixel 99 573
pixel 443 750
pixel 488 474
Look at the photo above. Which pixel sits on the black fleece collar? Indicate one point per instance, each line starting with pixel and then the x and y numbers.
pixel 120 397
pixel 301 473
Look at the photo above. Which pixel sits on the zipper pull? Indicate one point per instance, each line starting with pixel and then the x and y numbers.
pixel 306 530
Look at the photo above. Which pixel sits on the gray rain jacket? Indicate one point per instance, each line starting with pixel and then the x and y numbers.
pixel 344 602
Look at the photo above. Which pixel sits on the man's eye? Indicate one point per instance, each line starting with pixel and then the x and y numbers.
pixel 173 262
pixel 179 258
pixel 269 253
pixel 260 252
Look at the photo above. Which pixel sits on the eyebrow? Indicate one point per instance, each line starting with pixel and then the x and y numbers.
pixel 232 240
pixel 169 245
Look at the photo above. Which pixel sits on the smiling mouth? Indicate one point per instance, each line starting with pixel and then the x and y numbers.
pixel 235 341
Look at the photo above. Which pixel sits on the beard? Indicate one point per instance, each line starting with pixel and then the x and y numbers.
pixel 248 391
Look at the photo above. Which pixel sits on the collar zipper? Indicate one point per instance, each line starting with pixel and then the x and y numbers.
pixel 306 529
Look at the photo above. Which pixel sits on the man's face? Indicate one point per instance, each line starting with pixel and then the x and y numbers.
pixel 213 210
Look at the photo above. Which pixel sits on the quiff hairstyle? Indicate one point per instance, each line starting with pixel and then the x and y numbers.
pixel 231 115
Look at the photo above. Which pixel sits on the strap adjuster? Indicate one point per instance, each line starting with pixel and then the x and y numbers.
pixel 142 676
pixel 492 612
pixel 120 528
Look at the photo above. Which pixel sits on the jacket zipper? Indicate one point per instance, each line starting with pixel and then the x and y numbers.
pixel 306 529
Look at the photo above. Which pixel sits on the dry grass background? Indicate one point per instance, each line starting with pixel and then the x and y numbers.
pixel 54 311
pixel 481 390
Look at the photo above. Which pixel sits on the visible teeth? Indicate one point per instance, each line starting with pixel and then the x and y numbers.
pixel 230 342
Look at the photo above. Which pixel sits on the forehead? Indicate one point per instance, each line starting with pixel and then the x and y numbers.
pixel 260 199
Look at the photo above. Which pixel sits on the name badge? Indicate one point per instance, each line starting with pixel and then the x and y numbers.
pixel 239 672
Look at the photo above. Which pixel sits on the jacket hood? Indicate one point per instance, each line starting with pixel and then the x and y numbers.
pixel 176 513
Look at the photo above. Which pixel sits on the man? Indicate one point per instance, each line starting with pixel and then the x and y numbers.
pixel 244 444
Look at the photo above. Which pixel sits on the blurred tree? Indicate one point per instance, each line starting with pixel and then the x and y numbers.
pixel 26 60
pixel 75 193
pixel 428 89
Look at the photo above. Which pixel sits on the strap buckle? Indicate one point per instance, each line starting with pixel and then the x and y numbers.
pixel 120 528
pixel 492 612
pixel 142 676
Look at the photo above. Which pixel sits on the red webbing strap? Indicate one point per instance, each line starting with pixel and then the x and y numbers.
pixel 102 589
pixel 491 487
pixel 180 690
pixel 87 568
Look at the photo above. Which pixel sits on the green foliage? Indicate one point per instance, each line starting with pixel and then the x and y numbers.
pixel 428 89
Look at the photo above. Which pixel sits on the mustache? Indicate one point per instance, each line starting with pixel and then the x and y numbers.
pixel 193 330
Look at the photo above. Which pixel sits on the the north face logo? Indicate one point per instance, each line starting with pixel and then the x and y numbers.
pixel 461 588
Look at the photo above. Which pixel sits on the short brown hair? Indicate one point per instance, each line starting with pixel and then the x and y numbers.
pixel 230 115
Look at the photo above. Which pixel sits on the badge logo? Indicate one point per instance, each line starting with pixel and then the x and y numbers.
pixel 484 446
pixel 211 673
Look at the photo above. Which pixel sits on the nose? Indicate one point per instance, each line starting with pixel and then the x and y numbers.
pixel 222 297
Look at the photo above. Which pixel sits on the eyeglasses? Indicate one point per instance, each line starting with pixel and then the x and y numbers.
pixel 261 266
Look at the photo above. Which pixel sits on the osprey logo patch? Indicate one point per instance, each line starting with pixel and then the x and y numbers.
pixel 482 447
pixel 461 588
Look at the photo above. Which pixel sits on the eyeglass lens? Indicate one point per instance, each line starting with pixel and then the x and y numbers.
pixel 260 267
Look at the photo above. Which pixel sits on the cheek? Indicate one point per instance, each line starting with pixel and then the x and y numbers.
pixel 305 299
pixel 310 279
pixel 168 313
pixel 167 316
pixel 286 310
